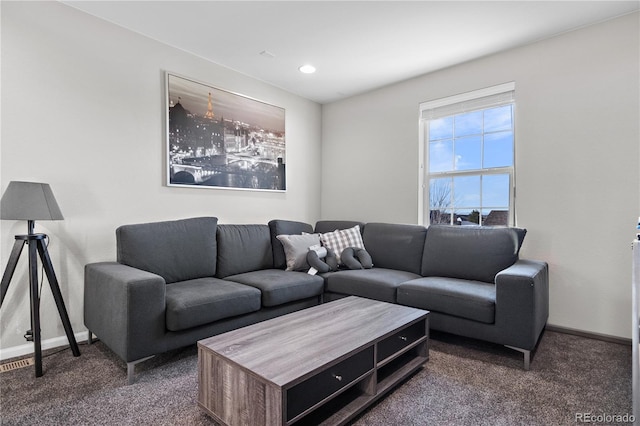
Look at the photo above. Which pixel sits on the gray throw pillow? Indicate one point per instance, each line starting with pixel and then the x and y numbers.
pixel 296 248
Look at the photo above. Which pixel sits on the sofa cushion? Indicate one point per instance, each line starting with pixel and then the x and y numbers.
pixel 205 300
pixel 340 239
pixel 395 246
pixel 176 250
pixel 284 227
pixel 324 226
pixel 377 283
pixel 473 300
pixel 296 248
pixel 278 286
pixel 470 252
pixel 243 248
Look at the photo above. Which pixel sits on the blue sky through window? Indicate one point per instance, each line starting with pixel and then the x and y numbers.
pixel 466 143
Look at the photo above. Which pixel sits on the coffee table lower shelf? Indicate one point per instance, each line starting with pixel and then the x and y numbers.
pixel 344 407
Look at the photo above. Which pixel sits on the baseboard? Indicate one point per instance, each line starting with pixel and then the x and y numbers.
pixel 27 348
pixel 588 334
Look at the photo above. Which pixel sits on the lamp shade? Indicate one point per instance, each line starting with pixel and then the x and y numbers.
pixel 29 201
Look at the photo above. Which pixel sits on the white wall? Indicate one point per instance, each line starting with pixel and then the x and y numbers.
pixel 577 153
pixel 83 110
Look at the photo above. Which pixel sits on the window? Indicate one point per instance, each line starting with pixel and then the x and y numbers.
pixel 467 150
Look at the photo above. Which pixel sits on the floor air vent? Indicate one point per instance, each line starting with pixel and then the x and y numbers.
pixel 10 366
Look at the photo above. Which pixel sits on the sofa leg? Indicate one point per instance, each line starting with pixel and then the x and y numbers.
pixel 89 337
pixel 526 353
pixel 131 369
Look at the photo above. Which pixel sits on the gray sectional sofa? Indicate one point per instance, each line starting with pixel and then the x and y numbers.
pixel 176 282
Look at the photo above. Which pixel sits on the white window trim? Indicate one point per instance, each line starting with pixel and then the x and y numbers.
pixel 422 132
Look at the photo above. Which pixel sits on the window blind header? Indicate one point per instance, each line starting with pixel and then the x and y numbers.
pixel 478 99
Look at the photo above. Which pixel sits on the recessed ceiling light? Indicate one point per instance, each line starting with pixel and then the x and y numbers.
pixel 307 69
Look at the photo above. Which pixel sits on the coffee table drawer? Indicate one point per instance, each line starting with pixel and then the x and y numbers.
pixel 400 340
pixel 316 388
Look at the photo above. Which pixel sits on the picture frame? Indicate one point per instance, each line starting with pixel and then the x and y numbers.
pixel 224 140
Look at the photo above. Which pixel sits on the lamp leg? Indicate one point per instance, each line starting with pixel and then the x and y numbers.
pixel 11 267
pixel 37 247
pixel 57 295
pixel 35 305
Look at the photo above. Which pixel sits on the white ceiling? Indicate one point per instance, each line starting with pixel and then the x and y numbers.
pixel 356 46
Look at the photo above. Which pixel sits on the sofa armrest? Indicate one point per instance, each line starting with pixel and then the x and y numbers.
pixel 125 308
pixel 522 302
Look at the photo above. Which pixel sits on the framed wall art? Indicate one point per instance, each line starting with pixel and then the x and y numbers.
pixel 220 139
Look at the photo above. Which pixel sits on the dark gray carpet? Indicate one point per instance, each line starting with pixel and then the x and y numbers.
pixel 465 382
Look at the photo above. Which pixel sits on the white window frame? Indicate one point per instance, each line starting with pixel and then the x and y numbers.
pixel 501 94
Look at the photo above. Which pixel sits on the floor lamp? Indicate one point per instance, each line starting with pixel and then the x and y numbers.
pixel 34 201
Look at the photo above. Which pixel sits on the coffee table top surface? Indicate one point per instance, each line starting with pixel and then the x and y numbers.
pixel 286 348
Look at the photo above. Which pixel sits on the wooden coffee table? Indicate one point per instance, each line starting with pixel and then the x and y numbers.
pixel 321 365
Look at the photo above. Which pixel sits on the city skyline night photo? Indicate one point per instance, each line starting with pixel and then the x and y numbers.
pixel 216 138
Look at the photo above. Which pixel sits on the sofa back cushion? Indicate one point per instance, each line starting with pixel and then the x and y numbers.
pixel 470 252
pixel 324 226
pixel 284 227
pixel 176 250
pixel 395 246
pixel 243 248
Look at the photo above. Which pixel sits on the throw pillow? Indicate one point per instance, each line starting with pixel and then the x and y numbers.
pixel 356 258
pixel 296 248
pixel 340 239
pixel 322 259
